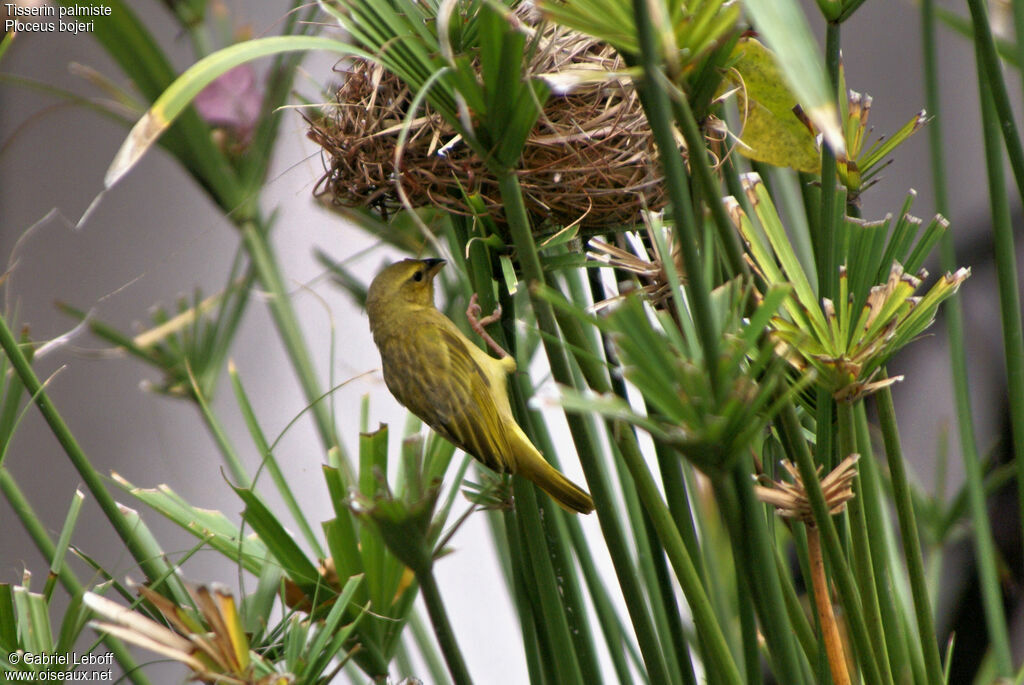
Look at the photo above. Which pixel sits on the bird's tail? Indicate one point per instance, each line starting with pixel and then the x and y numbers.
pixel 567 494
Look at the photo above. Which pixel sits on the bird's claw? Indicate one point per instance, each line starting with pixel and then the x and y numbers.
pixel 477 323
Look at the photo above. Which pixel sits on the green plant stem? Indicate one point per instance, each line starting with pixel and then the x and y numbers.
pixel 984 544
pixel 427 651
pixel 523 596
pixel 37 531
pixel 709 632
pixel 1006 276
pixel 227 449
pixel 586 444
pixel 442 628
pixel 270 461
pixel 882 545
pixel 908 530
pixel 658 110
pixel 800 452
pixel 718 656
pixel 154 568
pixel 745 516
pixel 550 607
pixel 991 78
pixel 258 247
pixel 619 647
pixel 863 554
pixel 748 634
pixel 1018 34
pixel 699 165
pixel 825 248
pixel 825 243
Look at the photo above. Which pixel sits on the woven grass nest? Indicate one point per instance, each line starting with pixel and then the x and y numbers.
pixel 589 159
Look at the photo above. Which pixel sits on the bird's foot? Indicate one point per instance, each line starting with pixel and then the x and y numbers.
pixel 477 324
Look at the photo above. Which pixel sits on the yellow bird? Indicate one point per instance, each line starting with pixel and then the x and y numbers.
pixel 451 384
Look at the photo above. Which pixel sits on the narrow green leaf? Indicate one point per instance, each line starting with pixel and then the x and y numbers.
pixel 280 542
pixel 173 101
pixel 57 562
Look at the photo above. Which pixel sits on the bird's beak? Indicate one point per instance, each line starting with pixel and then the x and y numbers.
pixel 434 266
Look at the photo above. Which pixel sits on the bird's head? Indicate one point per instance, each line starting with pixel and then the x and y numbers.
pixel 409 282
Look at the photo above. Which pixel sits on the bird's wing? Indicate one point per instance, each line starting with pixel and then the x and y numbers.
pixel 455 396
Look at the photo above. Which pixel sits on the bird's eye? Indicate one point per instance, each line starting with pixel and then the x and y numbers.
pixel 418 276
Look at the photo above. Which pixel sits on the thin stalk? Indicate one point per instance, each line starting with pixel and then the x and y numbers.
pixel 258 247
pixel 442 628
pixel 911 542
pixel 424 641
pixel 797 618
pixel 625 440
pixel 1006 275
pixel 750 531
pixel 878 534
pixel 748 632
pixel 224 445
pixel 797 447
pixel 619 648
pixel 270 461
pixel 666 610
pixel 862 552
pixel 718 655
pixel 825 247
pixel 154 568
pixel 702 169
pixel 586 444
pixel 1018 34
pixel 658 109
pixel 521 595
pixel 823 603
pixel 652 563
pixel 825 243
pixel 557 578
pixel 984 544
pixel 550 607
pixel 37 531
pixel 990 75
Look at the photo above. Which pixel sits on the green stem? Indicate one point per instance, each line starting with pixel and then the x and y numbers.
pixel 523 596
pixel 984 544
pixel 585 441
pixel 427 651
pixel 699 165
pixel 154 568
pixel 262 255
pixel 37 531
pixel 643 484
pixel 825 243
pixel 270 461
pixel 862 552
pixel 881 544
pixel 658 109
pixel 550 608
pixel 745 516
pixel 797 447
pixel 442 628
pixel 990 76
pixel 908 533
pixel 718 655
pixel 1006 276
pixel 227 449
